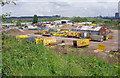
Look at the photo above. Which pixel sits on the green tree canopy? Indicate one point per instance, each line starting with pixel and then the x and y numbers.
pixel 35 19
pixel 3 2
pixel 18 23
pixel 79 19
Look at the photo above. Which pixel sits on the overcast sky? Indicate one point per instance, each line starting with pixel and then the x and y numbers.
pixel 82 8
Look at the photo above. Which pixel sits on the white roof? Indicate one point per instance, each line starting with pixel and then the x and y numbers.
pixel 91 28
pixel 97 28
pixel 61 20
pixel 8 23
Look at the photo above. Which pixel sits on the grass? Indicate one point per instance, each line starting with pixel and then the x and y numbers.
pixel 117 28
pixel 27 59
pixel 77 48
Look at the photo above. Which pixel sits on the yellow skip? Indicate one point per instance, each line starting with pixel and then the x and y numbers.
pixel 100 48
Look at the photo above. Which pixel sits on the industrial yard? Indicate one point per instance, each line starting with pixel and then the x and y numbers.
pixel 67 33
pixel 75 43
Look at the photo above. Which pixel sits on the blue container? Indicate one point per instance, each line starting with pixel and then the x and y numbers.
pixel 31 38
pixel 82 36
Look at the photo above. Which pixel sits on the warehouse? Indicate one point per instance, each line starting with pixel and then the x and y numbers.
pixel 63 22
pixel 91 30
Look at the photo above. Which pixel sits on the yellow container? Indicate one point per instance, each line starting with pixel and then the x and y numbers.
pixel 21 36
pixel 98 50
pixel 93 24
pixel 107 37
pixel 39 40
pixel 52 46
pixel 110 37
pixel 71 34
pixel 49 40
pixel 81 42
pixel 101 47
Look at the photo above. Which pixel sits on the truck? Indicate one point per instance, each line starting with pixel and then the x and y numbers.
pixel 81 43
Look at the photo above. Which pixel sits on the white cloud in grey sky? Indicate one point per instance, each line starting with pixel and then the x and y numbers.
pixel 63 7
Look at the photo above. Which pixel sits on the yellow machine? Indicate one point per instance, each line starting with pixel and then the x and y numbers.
pixel 81 42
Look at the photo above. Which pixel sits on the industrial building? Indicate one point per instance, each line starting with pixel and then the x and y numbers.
pixel 90 30
pixel 63 22
pixel 116 15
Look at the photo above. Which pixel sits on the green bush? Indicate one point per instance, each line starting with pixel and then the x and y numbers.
pixel 24 58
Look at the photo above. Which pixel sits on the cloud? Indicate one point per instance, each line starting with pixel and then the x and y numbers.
pixel 62 7
pixel 68 0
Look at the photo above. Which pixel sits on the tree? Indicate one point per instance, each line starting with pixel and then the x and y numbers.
pixel 18 23
pixel 4 16
pixel 3 2
pixel 35 19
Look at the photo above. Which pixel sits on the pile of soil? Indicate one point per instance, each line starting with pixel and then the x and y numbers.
pixel 14 32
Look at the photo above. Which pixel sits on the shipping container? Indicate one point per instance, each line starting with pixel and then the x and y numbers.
pixel 97 37
pixel 48 40
pixel 81 42
pixel 39 40
pixel 21 36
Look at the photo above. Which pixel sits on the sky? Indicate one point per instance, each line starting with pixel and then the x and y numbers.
pixel 66 8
